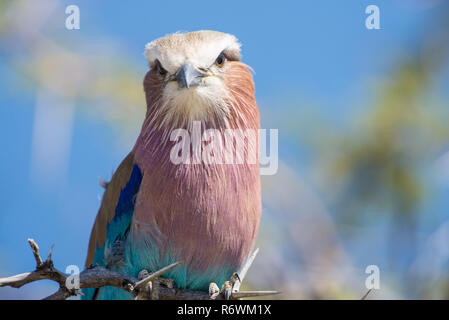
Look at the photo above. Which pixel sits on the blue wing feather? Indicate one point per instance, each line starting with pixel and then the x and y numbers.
pixel 118 228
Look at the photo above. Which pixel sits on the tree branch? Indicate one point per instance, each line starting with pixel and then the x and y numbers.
pixel 150 287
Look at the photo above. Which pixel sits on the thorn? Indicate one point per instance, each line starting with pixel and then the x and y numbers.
pixel 50 252
pixel 366 294
pixel 238 277
pixel 248 294
pixel 143 282
pixel 248 264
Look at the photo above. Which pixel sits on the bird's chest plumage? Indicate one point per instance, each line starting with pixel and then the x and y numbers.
pixel 204 215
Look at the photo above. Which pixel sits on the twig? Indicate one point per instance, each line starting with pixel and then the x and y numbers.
pixel 98 277
pixel 252 294
pixel 366 294
pixel 35 249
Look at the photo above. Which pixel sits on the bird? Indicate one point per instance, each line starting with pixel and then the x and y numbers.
pixel 155 212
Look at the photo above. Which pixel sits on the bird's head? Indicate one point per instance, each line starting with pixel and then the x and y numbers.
pixel 197 76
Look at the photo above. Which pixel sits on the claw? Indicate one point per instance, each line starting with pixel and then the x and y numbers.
pixel 169 283
pixel 154 275
pixel 214 291
pixel 231 288
pixel 143 274
pixel 226 290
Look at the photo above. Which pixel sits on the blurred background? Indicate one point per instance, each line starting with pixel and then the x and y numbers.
pixel 363 119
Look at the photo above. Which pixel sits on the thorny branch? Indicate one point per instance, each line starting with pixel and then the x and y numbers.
pixel 145 288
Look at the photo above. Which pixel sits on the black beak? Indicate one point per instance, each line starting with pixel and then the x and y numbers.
pixel 189 76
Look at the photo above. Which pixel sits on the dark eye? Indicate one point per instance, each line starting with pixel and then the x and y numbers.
pixel 220 60
pixel 160 69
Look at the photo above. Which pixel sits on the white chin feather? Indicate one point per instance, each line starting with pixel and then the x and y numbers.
pixel 205 103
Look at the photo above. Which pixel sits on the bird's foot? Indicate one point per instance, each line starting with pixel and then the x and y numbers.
pixel 230 290
pixel 225 292
pixel 147 286
pixel 167 282
pixel 143 274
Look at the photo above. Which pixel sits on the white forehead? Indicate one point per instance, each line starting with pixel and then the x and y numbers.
pixel 200 48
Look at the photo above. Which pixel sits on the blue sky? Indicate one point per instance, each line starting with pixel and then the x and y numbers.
pixel 317 48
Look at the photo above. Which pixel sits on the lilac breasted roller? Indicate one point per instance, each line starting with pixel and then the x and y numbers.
pixel 156 211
